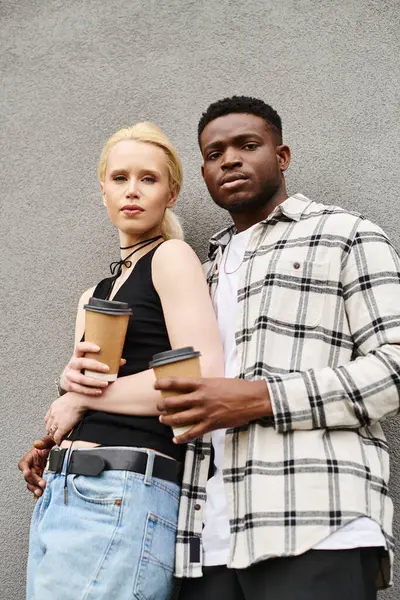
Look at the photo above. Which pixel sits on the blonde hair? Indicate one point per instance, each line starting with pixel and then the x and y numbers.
pixel 149 133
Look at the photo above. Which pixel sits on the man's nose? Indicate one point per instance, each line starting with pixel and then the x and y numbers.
pixel 231 160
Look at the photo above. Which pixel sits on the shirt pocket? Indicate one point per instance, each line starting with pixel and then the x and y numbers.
pixel 297 294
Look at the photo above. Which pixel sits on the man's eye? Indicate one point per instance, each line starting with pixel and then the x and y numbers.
pixel 250 146
pixel 213 155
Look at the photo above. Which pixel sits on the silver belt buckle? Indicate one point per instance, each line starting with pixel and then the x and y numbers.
pixel 51 459
pixel 47 469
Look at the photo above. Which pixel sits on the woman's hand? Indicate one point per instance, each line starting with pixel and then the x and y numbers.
pixel 72 380
pixel 63 415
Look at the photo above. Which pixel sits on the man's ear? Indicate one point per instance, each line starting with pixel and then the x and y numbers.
pixel 202 170
pixel 102 193
pixel 283 153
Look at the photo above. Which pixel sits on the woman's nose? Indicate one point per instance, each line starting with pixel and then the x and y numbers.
pixel 132 190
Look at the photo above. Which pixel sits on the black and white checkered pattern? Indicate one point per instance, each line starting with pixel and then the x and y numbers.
pixel 319 321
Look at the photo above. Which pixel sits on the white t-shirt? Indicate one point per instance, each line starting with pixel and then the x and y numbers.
pixel 361 532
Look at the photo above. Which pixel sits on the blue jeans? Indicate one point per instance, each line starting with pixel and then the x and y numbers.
pixel 115 538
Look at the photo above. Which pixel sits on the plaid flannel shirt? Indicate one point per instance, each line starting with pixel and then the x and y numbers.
pixel 319 321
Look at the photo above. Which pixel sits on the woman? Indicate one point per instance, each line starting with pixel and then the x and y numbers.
pixel 101 533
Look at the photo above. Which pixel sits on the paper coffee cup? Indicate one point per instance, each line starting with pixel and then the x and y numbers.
pixel 183 362
pixel 106 322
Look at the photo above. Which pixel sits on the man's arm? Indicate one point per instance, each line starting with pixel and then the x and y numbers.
pixel 358 393
pixel 366 389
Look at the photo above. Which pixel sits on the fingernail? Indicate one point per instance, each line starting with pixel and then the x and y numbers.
pixel 96 347
pixel 105 368
pixel 160 419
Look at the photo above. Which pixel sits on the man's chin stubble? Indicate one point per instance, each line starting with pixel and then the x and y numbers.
pixel 238 205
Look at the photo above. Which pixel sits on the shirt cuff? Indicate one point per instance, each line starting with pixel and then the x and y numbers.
pixel 290 402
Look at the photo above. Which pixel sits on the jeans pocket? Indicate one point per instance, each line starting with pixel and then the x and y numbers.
pixel 155 574
pixel 106 488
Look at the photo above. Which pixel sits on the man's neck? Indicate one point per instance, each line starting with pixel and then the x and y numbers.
pixel 244 220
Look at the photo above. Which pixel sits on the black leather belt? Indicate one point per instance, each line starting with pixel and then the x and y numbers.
pixel 93 462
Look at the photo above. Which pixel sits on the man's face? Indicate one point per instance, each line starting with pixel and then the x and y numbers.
pixel 242 163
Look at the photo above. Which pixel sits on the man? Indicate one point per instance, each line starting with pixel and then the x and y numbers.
pixel 308 302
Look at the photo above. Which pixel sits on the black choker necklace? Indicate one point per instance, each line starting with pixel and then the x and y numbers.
pixel 116 266
pixel 153 239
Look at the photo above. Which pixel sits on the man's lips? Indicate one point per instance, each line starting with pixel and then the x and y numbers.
pixel 132 209
pixel 231 180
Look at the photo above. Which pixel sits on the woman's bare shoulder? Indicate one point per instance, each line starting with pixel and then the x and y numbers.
pixel 174 252
pixel 86 295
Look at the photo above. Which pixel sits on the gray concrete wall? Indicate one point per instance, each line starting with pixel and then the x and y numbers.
pixel 73 72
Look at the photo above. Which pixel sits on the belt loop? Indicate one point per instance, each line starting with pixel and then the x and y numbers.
pixel 149 468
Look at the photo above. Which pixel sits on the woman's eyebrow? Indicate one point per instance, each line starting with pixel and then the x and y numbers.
pixel 141 171
pixel 117 172
pixel 151 172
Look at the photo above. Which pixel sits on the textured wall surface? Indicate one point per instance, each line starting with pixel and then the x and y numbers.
pixel 73 72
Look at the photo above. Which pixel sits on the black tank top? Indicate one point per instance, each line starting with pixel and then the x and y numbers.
pixel 146 335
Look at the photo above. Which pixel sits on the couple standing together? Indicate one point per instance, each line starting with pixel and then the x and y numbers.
pixel 280 488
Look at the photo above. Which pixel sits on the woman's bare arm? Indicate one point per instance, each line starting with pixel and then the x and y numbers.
pixel 190 319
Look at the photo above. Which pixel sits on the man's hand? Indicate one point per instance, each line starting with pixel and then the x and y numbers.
pixel 64 414
pixel 210 404
pixel 33 463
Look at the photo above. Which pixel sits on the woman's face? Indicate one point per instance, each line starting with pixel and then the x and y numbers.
pixel 136 189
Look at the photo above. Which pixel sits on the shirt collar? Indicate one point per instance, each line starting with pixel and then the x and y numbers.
pixel 292 208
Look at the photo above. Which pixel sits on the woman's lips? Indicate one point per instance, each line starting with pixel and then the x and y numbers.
pixel 131 211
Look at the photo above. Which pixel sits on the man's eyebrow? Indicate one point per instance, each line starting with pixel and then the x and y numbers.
pixel 236 139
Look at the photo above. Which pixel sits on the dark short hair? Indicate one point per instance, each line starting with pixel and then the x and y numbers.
pixel 242 104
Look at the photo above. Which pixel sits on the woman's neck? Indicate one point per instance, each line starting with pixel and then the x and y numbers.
pixel 128 240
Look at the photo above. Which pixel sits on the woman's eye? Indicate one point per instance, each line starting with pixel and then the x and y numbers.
pixel 149 179
pixel 120 178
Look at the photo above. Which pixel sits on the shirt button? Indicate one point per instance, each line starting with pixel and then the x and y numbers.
pixel 197 507
pixel 201 457
pixel 296 265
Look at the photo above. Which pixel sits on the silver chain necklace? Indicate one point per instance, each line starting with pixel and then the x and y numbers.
pixel 227 250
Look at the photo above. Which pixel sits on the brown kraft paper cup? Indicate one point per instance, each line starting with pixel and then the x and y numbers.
pixel 183 362
pixel 106 322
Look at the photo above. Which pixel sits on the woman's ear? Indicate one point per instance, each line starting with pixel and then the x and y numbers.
pixel 103 193
pixel 173 197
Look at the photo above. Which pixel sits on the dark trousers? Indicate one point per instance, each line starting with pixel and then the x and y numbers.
pixel 317 574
